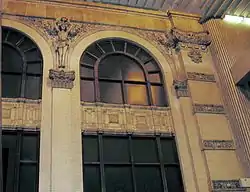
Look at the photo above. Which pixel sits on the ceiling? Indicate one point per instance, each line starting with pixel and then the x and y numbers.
pixel 206 8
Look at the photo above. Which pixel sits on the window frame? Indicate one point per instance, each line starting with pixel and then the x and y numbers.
pixel 24 74
pixel 160 164
pixel 142 64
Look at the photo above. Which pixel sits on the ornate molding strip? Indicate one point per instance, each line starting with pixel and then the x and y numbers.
pixel 227 185
pixel 218 144
pixel 208 108
pixel 62 79
pixel 200 77
pixel 181 88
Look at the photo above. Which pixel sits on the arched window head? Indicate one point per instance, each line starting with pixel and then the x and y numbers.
pixel 117 71
pixel 21 66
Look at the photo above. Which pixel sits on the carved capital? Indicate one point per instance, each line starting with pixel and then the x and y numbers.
pixel 200 77
pixel 181 88
pixel 218 144
pixel 208 108
pixel 227 185
pixel 62 79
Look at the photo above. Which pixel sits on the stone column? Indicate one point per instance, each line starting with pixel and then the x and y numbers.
pixel 65 157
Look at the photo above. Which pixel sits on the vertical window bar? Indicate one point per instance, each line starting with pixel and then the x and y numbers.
pixel 96 84
pixel 132 163
pixel 100 48
pixel 138 51
pixel 18 155
pixel 163 175
pixel 103 186
pixel 113 47
pixel 125 47
pixel 149 93
pixel 37 134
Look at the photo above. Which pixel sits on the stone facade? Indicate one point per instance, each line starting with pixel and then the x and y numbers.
pixel 196 115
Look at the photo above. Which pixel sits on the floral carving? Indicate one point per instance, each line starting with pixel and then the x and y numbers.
pixel 227 185
pixel 198 38
pixel 200 77
pixel 218 144
pixel 208 108
pixel 61 79
pixel 181 88
pixel 195 56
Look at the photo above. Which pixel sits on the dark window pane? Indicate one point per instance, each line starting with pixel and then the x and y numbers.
pixel 5 166
pixel 32 55
pixel 14 37
pixel 27 45
pixel 137 94
pixel 131 49
pixel 115 149
pixel 174 179
pixel 143 56
pixel 11 85
pixel 131 70
pixel 28 178
pixel 87 91
pixel 33 87
pixel 12 60
pixel 94 50
pixel 154 78
pixel 106 46
pixel 34 68
pixel 148 179
pixel 151 66
pixel 158 95
pixel 110 67
pixel 118 179
pixel 145 150
pixel 90 149
pixel 92 179
pixel 119 45
pixel 169 151
pixel 110 92
pixel 86 72
pixel 29 148
pixel 88 59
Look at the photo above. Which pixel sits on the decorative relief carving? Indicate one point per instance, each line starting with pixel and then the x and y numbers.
pixel 227 185
pixel 181 88
pixel 218 144
pixel 208 108
pixel 195 55
pixel 21 114
pixel 126 118
pixel 62 79
pixel 200 77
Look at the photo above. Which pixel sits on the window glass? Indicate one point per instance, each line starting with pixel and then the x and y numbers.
pixel 131 70
pixel 27 178
pixel 110 68
pixel 11 85
pixel 87 72
pixel 158 95
pixel 110 92
pixel 119 45
pixel 92 180
pixel 174 179
pixel 29 146
pixel 91 149
pixel 87 91
pixel 136 94
pixel 168 147
pixel 33 88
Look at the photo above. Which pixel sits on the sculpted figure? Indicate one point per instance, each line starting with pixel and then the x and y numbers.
pixel 63 28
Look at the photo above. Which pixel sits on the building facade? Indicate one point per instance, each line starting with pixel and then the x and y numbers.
pixel 107 98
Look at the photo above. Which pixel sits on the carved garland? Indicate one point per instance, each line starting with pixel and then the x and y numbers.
pixel 227 185
pixel 208 108
pixel 218 144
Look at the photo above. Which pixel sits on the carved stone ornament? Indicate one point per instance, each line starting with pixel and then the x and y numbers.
pixel 227 185
pixel 195 55
pixel 208 108
pixel 61 78
pixel 181 88
pixel 198 38
pixel 218 144
pixel 200 77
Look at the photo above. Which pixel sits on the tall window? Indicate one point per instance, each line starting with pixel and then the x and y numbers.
pixel 130 163
pixel 117 71
pixel 20 161
pixel 21 66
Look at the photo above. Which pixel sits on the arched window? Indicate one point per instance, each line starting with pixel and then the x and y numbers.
pixel 21 66
pixel 117 71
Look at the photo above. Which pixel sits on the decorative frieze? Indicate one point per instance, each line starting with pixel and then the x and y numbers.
pixel 208 108
pixel 218 144
pixel 227 185
pixel 21 114
pixel 126 118
pixel 200 77
pixel 181 88
pixel 62 79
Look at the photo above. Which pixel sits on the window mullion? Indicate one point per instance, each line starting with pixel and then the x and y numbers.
pixel 23 81
pixel 163 174
pixel 103 185
pixel 132 163
pixel 17 164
